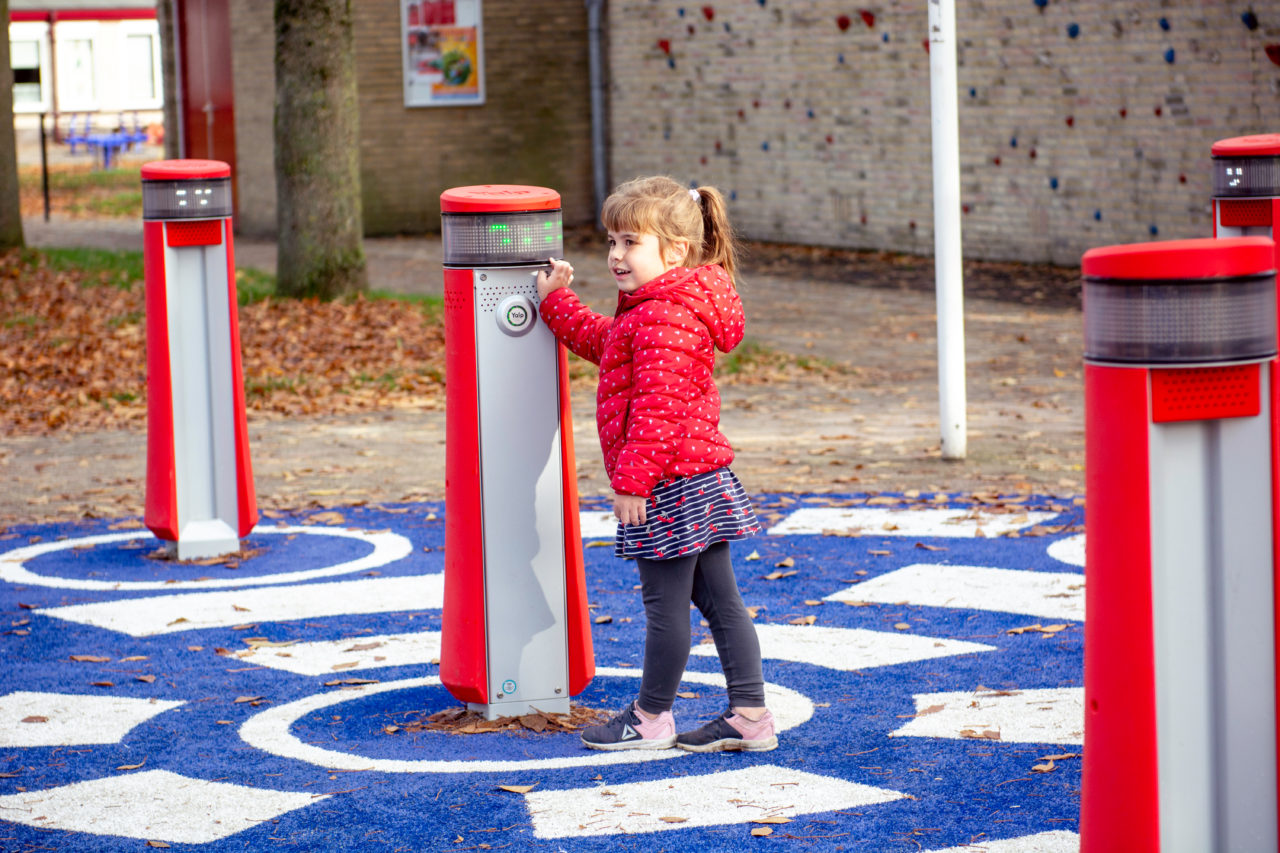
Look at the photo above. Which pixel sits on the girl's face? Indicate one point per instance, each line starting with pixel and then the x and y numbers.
pixel 636 260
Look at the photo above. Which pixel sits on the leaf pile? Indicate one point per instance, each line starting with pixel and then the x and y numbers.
pixel 460 721
pixel 73 353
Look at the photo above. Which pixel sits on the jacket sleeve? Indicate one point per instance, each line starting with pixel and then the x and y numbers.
pixel 664 351
pixel 574 324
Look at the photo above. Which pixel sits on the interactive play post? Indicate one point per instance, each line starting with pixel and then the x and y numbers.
pixel 1246 186
pixel 200 498
pixel 516 635
pixel 1180 443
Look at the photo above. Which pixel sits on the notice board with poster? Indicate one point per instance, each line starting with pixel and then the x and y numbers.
pixel 443 52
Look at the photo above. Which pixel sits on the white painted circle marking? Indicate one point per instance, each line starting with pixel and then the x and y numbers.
pixel 1069 550
pixel 387 548
pixel 269 731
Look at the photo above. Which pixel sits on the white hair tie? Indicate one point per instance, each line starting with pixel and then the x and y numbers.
pixel 696 196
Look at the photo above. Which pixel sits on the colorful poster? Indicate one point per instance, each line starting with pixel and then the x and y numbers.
pixel 443 52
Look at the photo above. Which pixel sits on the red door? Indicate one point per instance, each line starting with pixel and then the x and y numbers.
pixel 207 110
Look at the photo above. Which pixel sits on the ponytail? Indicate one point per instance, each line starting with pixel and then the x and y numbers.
pixel 718 245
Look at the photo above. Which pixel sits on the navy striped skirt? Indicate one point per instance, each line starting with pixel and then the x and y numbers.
pixel 686 515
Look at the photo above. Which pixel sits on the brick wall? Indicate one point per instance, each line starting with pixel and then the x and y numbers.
pixel 534 127
pixel 1082 122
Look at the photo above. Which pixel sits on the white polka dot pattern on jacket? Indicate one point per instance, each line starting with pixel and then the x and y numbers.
pixel 657 405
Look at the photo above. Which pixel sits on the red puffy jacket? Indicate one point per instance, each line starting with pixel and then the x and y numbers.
pixel 657 406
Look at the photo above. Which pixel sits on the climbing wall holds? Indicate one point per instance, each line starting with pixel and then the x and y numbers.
pixel 843 22
pixel 1153 230
pixel 1053 183
pixel 1164 24
pixel 1071 121
pixel 1097 216
pixel 1073 29
pixel 1273 53
pixel 868 17
pixel 1170 56
pixel 664 45
pixel 709 13
pixel 1250 20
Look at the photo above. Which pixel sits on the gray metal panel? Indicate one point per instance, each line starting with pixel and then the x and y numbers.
pixel 522 496
pixel 1212 604
pixel 203 417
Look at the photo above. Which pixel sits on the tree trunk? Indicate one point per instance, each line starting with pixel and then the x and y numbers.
pixel 10 205
pixel 169 75
pixel 319 219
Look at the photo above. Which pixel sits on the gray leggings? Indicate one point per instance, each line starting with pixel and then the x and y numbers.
pixel 706 579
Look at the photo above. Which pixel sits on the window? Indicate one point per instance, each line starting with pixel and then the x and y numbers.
pixel 24 56
pixel 140 67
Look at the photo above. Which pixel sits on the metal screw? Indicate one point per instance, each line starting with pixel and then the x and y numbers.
pixel 499 695
pixel 558 690
pixel 484 277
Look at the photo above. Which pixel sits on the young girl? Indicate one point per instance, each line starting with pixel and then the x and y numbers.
pixel 658 412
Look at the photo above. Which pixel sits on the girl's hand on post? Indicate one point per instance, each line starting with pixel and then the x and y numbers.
pixel 630 509
pixel 559 274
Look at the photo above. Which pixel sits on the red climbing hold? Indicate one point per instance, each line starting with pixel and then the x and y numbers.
pixel 665 46
pixel 868 17
pixel 708 13
pixel 1273 53
pixel 843 22
pixel 1071 120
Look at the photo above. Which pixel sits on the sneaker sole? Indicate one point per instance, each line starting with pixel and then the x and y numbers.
pixel 648 743
pixel 730 744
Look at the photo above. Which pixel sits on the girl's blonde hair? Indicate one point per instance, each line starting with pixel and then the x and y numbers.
pixel 668 210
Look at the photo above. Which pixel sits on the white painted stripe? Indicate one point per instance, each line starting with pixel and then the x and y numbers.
pixel 1058 841
pixel 731 797
pixel 72 719
pixel 153 805
pixel 1050 595
pixel 326 657
pixel 1069 550
pixel 880 521
pixel 849 649
pixel 387 548
pixel 166 614
pixel 1051 715
pixel 270 731
pixel 598 525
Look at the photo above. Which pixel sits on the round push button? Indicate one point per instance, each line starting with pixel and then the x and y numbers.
pixel 516 314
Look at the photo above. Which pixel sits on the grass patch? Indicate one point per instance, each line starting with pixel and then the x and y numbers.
pixel 432 306
pixel 82 178
pixel 254 285
pixel 119 268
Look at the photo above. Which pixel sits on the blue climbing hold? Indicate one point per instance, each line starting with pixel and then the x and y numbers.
pixel 810 113
pixel 764 146
pixel 1073 29
pixel 1053 183
pixel 1250 20
pixel 680 12
pixel 1042 3
pixel 1097 215
pixel 1013 143
pixel 1169 56
pixel 840 58
pixel 973 93
pixel 1153 230
pixel 884 37
pixel 671 62
pixel 733 195
pixel 1164 24
pixel 727 28
pixel 761 2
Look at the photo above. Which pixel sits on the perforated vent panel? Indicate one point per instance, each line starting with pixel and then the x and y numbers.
pixel 1205 393
pixel 490 293
pixel 199 232
pixel 1239 213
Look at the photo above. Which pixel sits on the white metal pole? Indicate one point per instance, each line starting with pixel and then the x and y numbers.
pixel 949 271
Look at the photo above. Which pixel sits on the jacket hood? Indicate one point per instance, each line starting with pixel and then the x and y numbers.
pixel 707 292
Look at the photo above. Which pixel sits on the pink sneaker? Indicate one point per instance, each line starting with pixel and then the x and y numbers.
pixel 630 730
pixel 731 731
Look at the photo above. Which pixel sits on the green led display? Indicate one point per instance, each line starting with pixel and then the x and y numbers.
pixel 502 239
